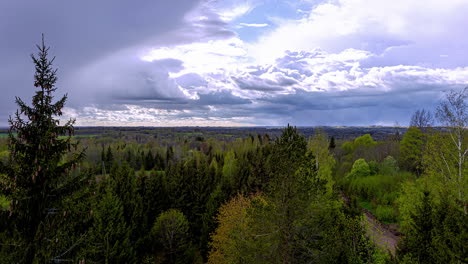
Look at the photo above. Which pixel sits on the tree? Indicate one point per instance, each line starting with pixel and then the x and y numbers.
pixel 288 188
pixel 417 244
pixel 41 163
pixel 453 113
pixel 109 240
pixel 365 141
pixel 230 171
pixel 231 232
pixel 109 158
pixel 360 169
pixel 171 230
pixel 324 162
pixel 411 149
pixel 332 144
pixel 421 119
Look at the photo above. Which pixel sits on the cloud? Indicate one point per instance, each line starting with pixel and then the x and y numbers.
pixel 274 82
pixel 253 25
pixel 235 11
pixel 352 62
pixel 221 98
pixel 80 34
pixel 405 31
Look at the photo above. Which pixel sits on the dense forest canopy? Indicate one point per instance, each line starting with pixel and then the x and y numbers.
pixel 139 197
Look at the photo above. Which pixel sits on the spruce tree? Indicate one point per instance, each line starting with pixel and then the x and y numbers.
pixel 39 173
pixel 109 238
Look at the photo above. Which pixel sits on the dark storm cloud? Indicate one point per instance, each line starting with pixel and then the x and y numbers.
pixel 86 29
pixel 221 98
pixel 88 34
pixel 352 107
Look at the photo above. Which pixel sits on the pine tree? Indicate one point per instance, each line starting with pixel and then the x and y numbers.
pixel 418 241
pixel 39 171
pixel 109 238
pixel 287 188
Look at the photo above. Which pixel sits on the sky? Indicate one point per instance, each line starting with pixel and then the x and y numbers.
pixel 237 62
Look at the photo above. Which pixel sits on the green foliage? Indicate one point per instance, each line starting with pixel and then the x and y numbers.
pixel 4 203
pixel 109 238
pixel 360 169
pixel 230 170
pixel 379 187
pixel 40 171
pixel 288 189
pixel 446 168
pixel 338 237
pixel 450 234
pixel 385 213
pixel 232 232
pixel 411 149
pixel 296 221
pixel 171 231
pixel 389 166
pixel 364 141
pixel 418 240
pixel 435 227
pixel 408 201
pixel 324 161
pixel 348 147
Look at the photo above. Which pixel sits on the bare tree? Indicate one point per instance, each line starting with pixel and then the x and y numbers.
pixel 421 119
pixel 453 113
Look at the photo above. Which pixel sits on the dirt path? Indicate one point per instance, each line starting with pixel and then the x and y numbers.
pixel 385 236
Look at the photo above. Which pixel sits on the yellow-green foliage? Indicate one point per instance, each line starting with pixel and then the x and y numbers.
pixel 378 187
pixel 232 220
pixel 365 140
pixel 324 161
pixel 446 167
pixel 360 169
pixel 360 142
pixel 408 201
pixel 381 189
pixel 385 213
pixel 411 148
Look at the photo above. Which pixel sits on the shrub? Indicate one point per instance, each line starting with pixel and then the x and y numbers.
pixel 385 213
pixel 360 169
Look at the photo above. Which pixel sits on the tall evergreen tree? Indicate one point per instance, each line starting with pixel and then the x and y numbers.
pixel 287 189
pixel 417 243
pixel 109 238
pixel 39 171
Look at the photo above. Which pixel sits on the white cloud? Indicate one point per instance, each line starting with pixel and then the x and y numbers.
pixel 236 11
pixel 204 57
pixel 371 67
pixel 135 115
pixel 253 25
pixel 372 25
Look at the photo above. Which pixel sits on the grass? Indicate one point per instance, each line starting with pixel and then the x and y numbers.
pixel 385 213
pixel 378 193
pixel 366 205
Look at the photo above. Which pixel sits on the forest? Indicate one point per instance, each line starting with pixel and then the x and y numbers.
pixel 117 195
